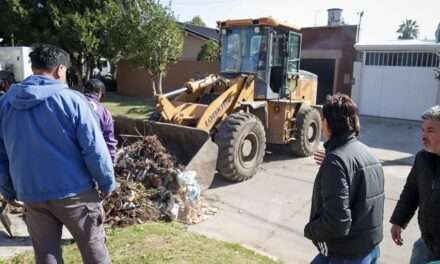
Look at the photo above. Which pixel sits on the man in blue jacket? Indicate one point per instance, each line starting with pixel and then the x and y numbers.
pixel 53 158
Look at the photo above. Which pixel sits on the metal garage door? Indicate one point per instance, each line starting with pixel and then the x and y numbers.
pixel 397 86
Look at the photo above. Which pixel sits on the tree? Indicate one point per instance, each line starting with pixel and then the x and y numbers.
pixel 197 21
pixel 408 29
pixel 209 52
pixel 156 43
pixel 141 30
pixel 80 27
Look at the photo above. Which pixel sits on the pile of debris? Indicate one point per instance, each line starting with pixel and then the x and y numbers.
pixel 130 204
pixel 153 186
pixel 148 161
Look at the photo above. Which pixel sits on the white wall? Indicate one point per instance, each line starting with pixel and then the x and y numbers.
pixel 397 92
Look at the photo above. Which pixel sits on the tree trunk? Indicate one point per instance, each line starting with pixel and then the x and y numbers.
pixel 153 83
pixel 77 66
pixel 159 83
pixel 88 64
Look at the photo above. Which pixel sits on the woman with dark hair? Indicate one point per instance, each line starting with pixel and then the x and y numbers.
pixel 348 195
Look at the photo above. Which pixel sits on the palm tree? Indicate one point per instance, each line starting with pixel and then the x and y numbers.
pixel 408 29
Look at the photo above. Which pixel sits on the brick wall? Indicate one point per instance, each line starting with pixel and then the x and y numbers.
pixel 338 38
pixel 137 82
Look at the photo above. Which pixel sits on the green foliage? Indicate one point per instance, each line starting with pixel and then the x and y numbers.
pixel 197 21
pixel 408 29
pixel 81 27
pixel 209 52
pixel 142 30
pixel 157 43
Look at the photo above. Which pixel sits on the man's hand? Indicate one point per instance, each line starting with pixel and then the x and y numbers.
pixel 396 234
pixel 319 156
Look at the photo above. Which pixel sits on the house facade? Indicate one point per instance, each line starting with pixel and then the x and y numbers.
pixel 328 51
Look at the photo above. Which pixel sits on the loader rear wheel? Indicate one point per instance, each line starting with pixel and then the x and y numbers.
pixel 242 142
pixel 307 133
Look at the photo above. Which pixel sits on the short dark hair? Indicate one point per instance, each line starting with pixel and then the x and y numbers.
pixel 47 57
pixel 94 86
pixel 341 114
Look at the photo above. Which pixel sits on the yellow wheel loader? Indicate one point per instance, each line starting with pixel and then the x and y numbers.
pixel 223 122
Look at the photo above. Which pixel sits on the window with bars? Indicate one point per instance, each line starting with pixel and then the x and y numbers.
pixel 402 59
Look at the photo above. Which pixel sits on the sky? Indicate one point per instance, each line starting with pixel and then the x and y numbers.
pixel 379 22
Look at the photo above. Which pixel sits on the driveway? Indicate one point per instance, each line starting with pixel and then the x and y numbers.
pixel 269 212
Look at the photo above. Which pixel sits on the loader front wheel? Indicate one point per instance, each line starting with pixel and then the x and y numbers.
pixel 242 142
pixel 307 132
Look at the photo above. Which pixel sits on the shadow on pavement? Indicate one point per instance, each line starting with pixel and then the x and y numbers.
pixel 273 153
pixel 220 182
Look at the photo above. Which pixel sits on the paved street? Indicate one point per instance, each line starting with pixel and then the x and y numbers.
pixel 269 212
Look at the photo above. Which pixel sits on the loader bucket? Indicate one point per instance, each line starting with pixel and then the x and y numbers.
pixel 192 148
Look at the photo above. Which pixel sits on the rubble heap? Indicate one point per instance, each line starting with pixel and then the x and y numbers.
pixel 148 161
pixel 152 186
pixel 130 204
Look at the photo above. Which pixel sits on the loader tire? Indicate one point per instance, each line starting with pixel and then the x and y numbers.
pixel 242 143
pixel 307 132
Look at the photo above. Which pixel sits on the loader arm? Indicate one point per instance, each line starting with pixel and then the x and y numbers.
pixel 186 110
pixel 242 89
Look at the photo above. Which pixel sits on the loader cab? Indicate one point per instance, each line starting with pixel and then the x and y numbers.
pixel 269 52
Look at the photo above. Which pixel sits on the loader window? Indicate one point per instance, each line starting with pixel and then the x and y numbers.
pixel 244 50
pixel 277 69
pixel 294 50
pixel 231 61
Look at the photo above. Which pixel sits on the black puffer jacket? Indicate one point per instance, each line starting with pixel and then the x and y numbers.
pixel 348 200
pixel 422 190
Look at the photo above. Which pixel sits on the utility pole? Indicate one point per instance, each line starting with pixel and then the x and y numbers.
pixel 361 14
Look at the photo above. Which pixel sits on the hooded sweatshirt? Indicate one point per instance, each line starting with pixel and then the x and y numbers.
pixel 106 123
pixel 51 145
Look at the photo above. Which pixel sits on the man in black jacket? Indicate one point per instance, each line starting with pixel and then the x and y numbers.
pixel 348 195
pixel 422 190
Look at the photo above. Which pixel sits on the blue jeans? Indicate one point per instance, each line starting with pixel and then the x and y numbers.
pixel 371 258
pixel 420 253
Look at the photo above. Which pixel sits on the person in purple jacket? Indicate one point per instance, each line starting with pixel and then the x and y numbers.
pixel 93 91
